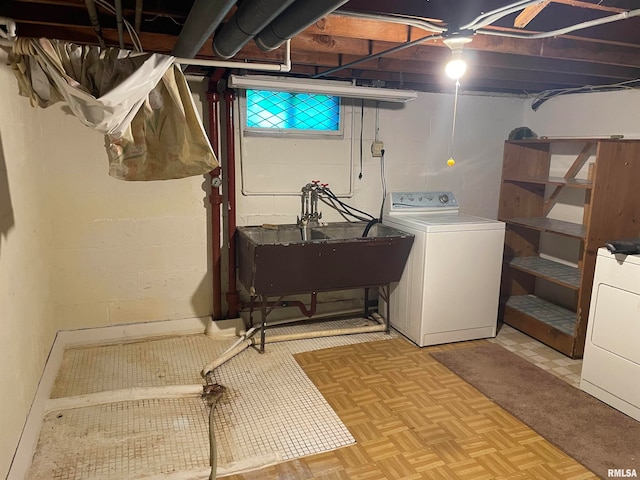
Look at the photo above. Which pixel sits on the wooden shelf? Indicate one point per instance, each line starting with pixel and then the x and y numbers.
pixel 529 194
pixel 546 312
pixel 549 270
pixel 551 225
pixel 559 181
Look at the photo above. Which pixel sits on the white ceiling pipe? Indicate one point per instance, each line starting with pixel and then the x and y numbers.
pixel 565 30
pixel 265 67
pixel 10 25
pixel 490 17
pixel 293 21
pixel 248 20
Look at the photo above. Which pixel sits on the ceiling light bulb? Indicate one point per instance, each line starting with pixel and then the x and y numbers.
pixel 455 68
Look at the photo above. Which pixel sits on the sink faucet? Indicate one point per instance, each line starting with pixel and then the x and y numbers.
pixel 309 214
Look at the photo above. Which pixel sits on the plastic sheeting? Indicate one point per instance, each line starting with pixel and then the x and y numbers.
pixel 141 102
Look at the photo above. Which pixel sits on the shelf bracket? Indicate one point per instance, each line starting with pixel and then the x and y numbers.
pixel 573 170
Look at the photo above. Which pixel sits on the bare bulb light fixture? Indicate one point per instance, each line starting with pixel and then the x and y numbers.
pixel 455 68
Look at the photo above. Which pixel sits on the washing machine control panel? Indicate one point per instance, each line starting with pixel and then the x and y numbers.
pixel 422 201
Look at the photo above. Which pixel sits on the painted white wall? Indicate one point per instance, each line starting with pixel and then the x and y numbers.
pixel 416 137
pixel 26 297
pixel 123 252
pixel 79 249
pixel 582 115
pixel 588 114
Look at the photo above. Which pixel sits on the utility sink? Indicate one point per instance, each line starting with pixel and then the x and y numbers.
pixel 288 259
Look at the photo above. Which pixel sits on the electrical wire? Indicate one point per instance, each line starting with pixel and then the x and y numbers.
pixel 135 39
pixel 453 126
pixel 489 17
pixel 565 30
pixel 549 94
pixel 384 183
pixel 361 133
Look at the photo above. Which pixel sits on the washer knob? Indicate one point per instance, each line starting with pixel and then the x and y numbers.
pixel 444 198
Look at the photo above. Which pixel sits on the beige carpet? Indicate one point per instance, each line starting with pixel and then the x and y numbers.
pixel 595 434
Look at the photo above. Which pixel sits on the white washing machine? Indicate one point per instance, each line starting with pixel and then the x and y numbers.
pixel 450 287
pixel 611 362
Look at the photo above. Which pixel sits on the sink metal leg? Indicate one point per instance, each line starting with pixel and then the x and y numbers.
pixel 366 302
pixel 263 314
pixel 384 292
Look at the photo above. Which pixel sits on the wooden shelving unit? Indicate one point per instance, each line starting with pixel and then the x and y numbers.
pixel 528 195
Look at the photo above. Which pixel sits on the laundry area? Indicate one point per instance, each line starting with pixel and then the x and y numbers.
pixel 249 254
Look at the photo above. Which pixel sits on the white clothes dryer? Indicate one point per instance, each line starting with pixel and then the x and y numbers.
pixel 611 362
pixel 450 287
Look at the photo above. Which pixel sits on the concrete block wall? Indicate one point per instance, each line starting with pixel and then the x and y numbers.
pixel 416 138
pixel 26 272
pixel 122 251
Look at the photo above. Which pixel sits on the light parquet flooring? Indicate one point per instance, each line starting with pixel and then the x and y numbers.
pixel 412 418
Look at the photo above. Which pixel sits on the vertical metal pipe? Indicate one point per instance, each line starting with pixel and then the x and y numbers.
pixel 95 22
pixel 213 100
pixel 120 23
pixel 138 18
pixel 230 176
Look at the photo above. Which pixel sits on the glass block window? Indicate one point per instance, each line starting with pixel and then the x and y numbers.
pixel 292 111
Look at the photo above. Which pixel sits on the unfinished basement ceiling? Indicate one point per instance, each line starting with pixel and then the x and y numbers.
pixel 595 56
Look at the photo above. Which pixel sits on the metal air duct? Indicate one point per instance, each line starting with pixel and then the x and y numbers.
pixel 203 19
pixel 251 17
pixel 293 21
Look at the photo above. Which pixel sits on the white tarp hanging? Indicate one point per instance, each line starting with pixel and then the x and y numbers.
pixel 141 102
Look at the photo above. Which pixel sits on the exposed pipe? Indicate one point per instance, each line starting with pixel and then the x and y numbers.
pixel 213 99
pixel 321 334
pixel 569 29
pixel 203 19
pixel 212 394
pixel 233 299
pixel 138 18
pixel 248 340
pixel 285 66
pixel 10 33
pixel 307 312
pixel 95 22
pixel 293 21
pixel 490 17
pixel 377 55
pixel 401 19
pixel 119 22
pixel 247 21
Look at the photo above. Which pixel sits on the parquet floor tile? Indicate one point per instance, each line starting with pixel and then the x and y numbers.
pixel 414 419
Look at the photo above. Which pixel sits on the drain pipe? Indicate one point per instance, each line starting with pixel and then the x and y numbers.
pixel 95 22
pixel 213 99
pixel 293 21
pixel 248 20
pixel 203 19
pixel 212 393
pixel 248 340
pixel 233 299
pixel 120 23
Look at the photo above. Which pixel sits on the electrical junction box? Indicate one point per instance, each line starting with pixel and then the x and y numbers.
pixel 376 149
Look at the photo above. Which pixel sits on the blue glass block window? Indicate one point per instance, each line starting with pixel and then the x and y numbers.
pixel 293 111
